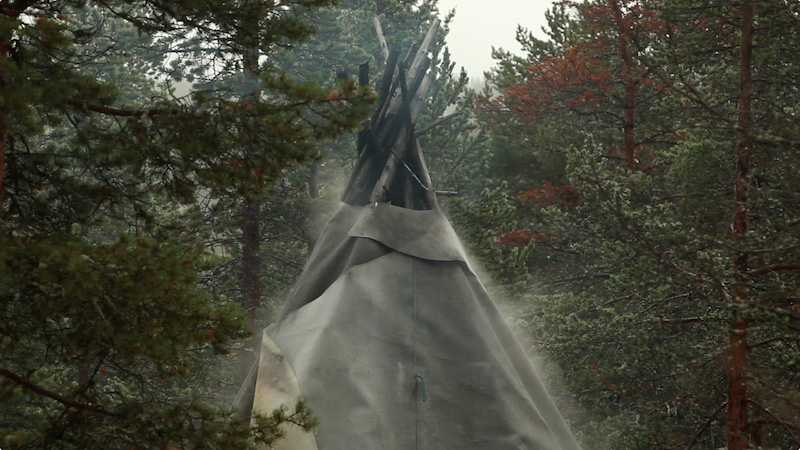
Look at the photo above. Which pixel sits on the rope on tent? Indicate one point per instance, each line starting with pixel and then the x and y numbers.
pixel 419 381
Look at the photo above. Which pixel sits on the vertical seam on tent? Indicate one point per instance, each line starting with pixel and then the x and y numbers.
pixel 418 380
pixel 414 281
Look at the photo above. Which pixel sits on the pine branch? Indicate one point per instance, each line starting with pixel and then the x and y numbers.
pixel 624 297
pixel 436 123
pixel 24 382
pixel 111 111
pixel 676 399
pixel 707 424
pixel 16 8
pixel 773 268
pixel 777 392
pixel 587 276
pixel 682 320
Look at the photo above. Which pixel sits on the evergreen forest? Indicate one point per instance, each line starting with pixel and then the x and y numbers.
pixel 627 186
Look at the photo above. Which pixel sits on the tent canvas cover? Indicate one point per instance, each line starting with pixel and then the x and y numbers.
pixel 388 333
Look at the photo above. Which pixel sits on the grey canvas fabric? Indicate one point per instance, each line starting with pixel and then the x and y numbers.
pixel 396 344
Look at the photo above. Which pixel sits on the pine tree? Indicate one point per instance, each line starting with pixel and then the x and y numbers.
pixel 669 290
pixel 104 320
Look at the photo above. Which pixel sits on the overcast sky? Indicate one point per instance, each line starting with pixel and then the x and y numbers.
pixel 480 25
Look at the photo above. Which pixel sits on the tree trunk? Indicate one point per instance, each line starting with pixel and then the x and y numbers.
pixel 629 144
pixel 625 42
pixel 3 139
pixel 738 348
pixel 251 214
pixel 5 48
pixel 11 12
pixel 251 257
pixel 251 279
pixel 313 184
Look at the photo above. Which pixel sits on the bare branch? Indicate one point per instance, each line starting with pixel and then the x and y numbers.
pixel 780 422
pixel 436 123
pixel 381 38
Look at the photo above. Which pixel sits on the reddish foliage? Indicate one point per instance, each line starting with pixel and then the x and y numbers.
pixel 588 76
pixel 564 196
pixel 516 238
pixel 540 237
pixel 577 80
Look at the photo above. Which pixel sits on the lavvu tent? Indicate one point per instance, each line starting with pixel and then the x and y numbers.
pixel 388 333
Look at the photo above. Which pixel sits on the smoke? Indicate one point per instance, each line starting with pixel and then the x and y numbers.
pixel 516 312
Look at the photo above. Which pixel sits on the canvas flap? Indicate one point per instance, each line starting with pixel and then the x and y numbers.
pixel 424 234
pixel 277 386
